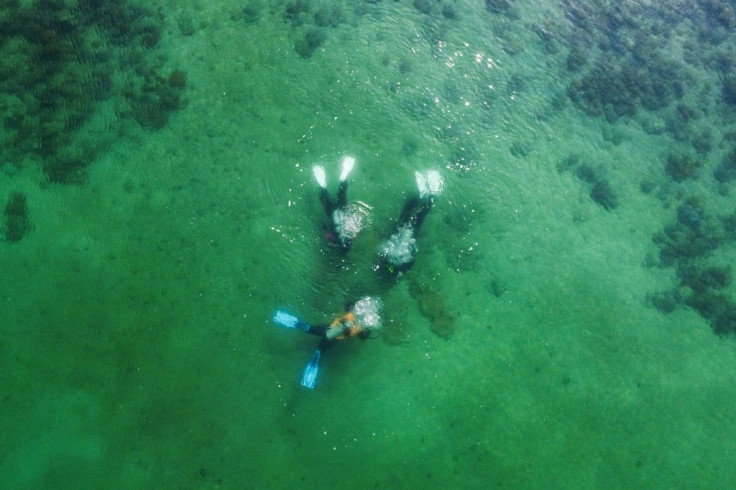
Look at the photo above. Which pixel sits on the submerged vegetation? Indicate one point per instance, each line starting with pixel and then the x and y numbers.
pixel 60 62
pixel 623 64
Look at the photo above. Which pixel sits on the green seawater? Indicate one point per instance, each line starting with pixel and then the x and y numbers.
pixel 138 347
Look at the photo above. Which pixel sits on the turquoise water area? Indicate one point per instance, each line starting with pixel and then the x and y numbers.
pixel 570 321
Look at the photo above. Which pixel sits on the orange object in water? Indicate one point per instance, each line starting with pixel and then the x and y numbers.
pixel 347 320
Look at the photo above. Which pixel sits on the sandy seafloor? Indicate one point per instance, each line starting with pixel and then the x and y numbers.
pixel 137 344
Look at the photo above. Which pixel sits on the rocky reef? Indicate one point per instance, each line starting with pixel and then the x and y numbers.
pixel 593 177
pixel 433 307
pixel 60 61
pixel 688 245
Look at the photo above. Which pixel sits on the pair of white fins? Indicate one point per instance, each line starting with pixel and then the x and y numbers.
pixel 429 182
pixel 321 176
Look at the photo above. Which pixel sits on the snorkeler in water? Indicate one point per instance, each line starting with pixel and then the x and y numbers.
pixel 396 254
pixel 346 219
pixel 362 319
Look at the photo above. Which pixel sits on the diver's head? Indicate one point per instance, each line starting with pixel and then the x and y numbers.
pixel 400 248
pixel 350 219
pixel 367 312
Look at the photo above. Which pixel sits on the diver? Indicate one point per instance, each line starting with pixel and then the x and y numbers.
pixel 362 319
pixel 396 254
pixel 346 219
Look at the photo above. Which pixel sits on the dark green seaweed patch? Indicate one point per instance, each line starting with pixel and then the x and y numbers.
pixel 16 221
pixel 622 66
pixel 599 188
pixel 687 245
pixel 726 170
pixel 56 64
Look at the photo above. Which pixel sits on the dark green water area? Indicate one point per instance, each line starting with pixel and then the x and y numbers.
pixel 570 318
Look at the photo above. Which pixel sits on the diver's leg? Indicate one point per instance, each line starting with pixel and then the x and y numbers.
pixel 327 204
pixel 422 211
pixel 318 330
pixel 408 211
pixel 325 344
pixel 342 194
pixel 414 212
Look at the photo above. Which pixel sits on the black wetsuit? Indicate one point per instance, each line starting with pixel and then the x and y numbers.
pixel 321 331
pixel 330 207
pixel 414 212
pixel 412 216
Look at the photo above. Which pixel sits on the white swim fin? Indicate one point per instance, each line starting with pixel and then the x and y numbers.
pixel 434 182
pixel 347 166
pixel 320 176
pixel 421 184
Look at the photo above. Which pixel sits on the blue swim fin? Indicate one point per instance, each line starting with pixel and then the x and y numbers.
pixel 309 376
pixel 289 321
pixel 284 319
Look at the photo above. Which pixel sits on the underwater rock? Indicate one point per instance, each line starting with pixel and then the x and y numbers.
pixel 504 7
pixel 294 12
pixel 586 173
pixel 448 11
pixel 178 79
pixel 409 146
pixel 701 141
pixel 61 170
pixel 709 304
pixel 677 243
pixel 729 226
pixel 665 301
pixel 700 281
pixel 547 32
pixel 646 186
pixel 443 326
pixel 726 170
pixel 159 99
pixel 569 163
pixel 422 6
pixel 250 13
pixel 497 288
pixel 726 322
pixel 687 112
pixel 691 236
pixel 691 214
pixel 717 277
pixel 601 92
pixel 313 39
pixel 432 306
pixel 328 16
pixel 577 58
pixel 520 149
pixel 17 223
pixel 601 191
pixel 682 166
pixel 603 195
pixel 728 88
pixel 186 25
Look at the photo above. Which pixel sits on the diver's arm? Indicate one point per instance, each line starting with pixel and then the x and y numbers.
pixel 334 332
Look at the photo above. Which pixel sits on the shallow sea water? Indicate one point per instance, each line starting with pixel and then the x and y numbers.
pixel 138 346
